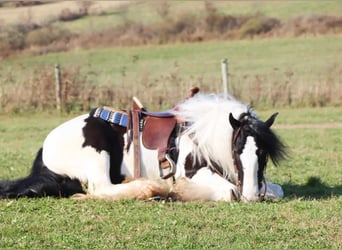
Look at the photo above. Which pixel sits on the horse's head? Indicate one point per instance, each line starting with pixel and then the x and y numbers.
pixel 252 143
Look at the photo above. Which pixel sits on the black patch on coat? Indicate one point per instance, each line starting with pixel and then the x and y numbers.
pixel 268 143
pixel 40 182
pixel 101 135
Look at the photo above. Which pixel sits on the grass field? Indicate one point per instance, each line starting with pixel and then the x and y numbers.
pixel 308 67
pixel 308 58
pixel 285 71
pixel 308 217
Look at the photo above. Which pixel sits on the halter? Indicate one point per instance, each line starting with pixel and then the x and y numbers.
pixel 237 162
pixel 238 165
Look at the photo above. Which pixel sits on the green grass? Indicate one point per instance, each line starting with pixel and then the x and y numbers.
pixel 304 115
pixel 308 217
pixel 136 225
pixel 262 72
pixel 309 58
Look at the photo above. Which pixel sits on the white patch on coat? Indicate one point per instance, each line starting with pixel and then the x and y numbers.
pixel 208 116
pixel 249 160
pixel 149 164
pixel 64 154
pixel 186 145
pixel 221 189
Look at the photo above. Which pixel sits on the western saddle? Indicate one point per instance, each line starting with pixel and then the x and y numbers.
pixel 159 131
pixel 156 133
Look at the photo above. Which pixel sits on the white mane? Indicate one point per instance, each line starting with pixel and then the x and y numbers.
pixel 208 115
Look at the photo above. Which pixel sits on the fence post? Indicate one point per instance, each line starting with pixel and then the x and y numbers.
pixel 224 71
pixel 58 86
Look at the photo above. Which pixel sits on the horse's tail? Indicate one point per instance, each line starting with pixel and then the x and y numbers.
pixel 40 182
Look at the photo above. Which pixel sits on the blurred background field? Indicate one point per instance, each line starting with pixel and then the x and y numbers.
pixel 280 54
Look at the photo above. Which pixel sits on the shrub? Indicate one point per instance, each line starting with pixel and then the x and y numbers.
pixel 13 37
pixel 314 24
pixel 176 28
pixel 68 15
pixel 46 35
pixel 258 25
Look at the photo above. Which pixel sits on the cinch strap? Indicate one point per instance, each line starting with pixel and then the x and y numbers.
pixel 115 117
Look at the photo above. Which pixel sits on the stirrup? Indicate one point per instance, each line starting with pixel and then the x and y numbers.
pixel 172 166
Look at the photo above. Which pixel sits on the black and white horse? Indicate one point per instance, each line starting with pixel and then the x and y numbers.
pixel 221 151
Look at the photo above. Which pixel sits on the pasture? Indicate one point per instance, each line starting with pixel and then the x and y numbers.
pixel 292 75
pixel 308 217
pixel 294 70
pixel 304 72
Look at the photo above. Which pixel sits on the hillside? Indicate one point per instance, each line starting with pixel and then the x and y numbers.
pixel 66 25
pixel 280 53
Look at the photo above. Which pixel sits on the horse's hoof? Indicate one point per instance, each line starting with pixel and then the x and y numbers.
pixel 79 196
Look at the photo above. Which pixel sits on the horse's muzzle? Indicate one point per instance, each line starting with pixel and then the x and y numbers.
pixel 254 198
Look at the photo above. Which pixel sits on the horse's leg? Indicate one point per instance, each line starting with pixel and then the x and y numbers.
pixel 187 190
pixel 205 185
pixel 97 164
pixel 140 189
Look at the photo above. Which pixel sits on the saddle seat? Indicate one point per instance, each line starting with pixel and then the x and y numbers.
pixel 157 129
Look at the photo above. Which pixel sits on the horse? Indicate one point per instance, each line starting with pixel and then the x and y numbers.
pixel 209 147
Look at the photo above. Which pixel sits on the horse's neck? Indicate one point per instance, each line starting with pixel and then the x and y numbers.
pixel 217 156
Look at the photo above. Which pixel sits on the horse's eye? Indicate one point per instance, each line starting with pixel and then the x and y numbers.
pixel 260 152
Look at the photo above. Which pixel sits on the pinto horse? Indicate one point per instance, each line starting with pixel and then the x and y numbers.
pixel 216 148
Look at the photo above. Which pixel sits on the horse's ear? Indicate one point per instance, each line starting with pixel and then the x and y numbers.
pixel 235 123
pixel 271 120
